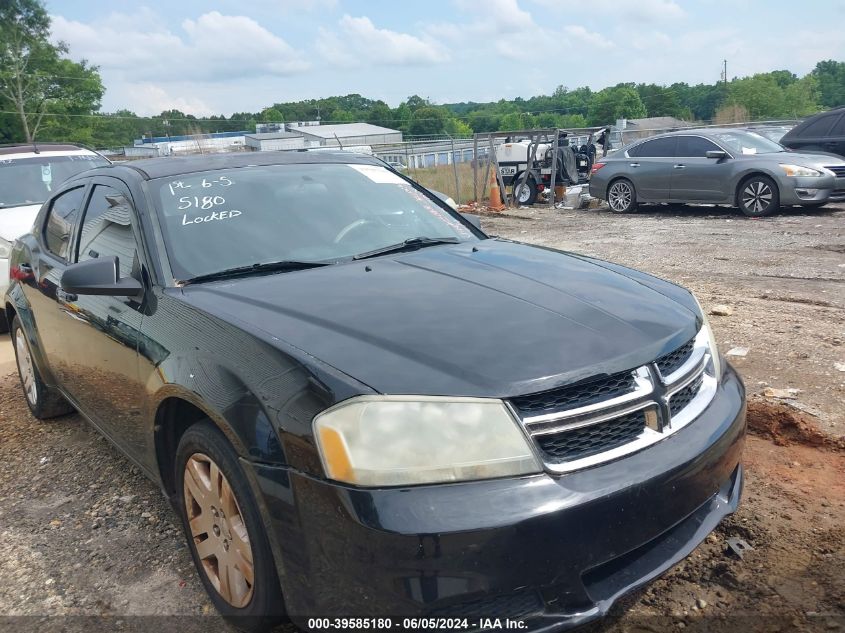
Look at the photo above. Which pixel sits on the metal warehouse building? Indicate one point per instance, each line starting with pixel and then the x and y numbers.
pixel 347 133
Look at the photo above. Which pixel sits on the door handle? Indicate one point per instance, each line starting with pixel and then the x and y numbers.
pixel 26 269
pixel 65 297
pixel 680 167
pixel 635 164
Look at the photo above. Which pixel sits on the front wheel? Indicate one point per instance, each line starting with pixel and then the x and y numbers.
pixel 621 196
pixel 224 530
pixel 525 194
pixel 758 197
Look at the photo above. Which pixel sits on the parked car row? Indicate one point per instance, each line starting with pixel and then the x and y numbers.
pixel 724 166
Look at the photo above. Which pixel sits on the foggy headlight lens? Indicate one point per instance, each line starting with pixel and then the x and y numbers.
pixel 406 440
pixel 798 170
pixel 714 367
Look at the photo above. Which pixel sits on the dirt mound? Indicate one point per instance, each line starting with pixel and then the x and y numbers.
pixel 784 426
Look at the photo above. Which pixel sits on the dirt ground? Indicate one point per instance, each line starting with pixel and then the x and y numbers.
pixel 85 534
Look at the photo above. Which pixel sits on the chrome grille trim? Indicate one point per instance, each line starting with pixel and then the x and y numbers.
pixel 644 387
pixel 652 394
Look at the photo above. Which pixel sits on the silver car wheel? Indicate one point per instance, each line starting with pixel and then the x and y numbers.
pixel 25 367
pixel 523 193
pixel 757 196
pixel 620 195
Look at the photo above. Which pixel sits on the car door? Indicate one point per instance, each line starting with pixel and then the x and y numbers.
pixel 650 168
pixel 101 333
pixel 696 178
pixel 49 260
pixel 812 134
pixel 836 140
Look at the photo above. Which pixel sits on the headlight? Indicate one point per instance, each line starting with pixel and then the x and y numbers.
pixel 798 170
pixel 5 249
pixel 406 440
pixel 714 367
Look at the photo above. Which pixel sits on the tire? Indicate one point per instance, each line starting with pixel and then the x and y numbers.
pixel 622 196
pixel 4 324
pixel 232 529
pixel 519 193
pixel 758 196
pixel 44 402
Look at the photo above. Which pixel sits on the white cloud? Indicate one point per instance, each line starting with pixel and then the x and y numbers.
pixel 149 99
pixel 358 42
pixel 213 46
pixel 636 10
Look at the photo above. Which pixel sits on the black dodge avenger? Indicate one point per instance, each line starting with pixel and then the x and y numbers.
pixel 362 406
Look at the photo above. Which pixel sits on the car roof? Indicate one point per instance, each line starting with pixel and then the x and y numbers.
pixel 177 165
pixel 40 148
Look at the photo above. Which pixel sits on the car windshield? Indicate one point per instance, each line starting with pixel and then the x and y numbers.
pixel 747 143
pixel 30 180
pixel 224 219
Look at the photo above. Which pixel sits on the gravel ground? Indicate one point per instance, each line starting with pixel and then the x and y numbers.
pixel 85 534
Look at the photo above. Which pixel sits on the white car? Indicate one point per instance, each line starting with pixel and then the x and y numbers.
pixel 28 175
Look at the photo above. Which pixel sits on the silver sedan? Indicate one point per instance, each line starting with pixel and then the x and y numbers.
pixel 717 166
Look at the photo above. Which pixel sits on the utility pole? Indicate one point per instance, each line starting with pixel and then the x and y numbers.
pixel 725 71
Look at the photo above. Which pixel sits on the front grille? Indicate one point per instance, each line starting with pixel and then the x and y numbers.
pixel 839 170
pixel 683 397
pixel 590 440
pixel 574 396
pixel 512 605
pixel 673 360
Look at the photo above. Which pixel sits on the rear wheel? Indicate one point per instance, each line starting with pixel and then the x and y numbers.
pixel 621 196
pixel 525 194
pixel 44 402
pixel 224 530
pixel 758 197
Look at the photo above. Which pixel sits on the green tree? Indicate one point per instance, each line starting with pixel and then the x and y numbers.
pixel 618 102
pixel 831 83
pixel 35 78
pixel 428 120
pixel 271 115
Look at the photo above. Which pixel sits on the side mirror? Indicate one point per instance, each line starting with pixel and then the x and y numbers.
pixel 100 276
pixel 716 153
pixel 473 219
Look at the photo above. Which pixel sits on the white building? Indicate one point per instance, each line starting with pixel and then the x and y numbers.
pixel 274 141
pixel 347 134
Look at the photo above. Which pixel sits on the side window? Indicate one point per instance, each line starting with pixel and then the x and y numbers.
pixel 107 230
pixel 695 146
pixel 819 127
pixel 64 213
pixel 839 127
pixel 659 147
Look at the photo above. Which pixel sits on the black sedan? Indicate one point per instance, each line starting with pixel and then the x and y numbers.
pixel 362 406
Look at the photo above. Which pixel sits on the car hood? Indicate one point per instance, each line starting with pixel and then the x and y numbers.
pixel 15 221
pixel 497 320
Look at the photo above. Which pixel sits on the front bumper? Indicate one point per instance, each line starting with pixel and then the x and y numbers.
pixel 555 552
pixel 803 190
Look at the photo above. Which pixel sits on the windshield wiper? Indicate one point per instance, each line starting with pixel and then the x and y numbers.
pixel 411 244
pixel 242 271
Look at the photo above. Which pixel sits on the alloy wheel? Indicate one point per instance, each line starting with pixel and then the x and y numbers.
pixel 619 197
pixel 757 196
pixel 218 529
pixel 26 368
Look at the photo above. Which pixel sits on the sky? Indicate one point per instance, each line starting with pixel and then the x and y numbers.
pixel 217 57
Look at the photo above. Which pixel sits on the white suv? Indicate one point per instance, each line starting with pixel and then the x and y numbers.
pixel 28 174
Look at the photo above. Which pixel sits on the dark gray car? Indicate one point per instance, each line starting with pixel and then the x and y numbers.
pixel 717 166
